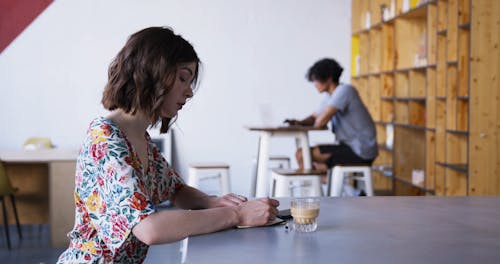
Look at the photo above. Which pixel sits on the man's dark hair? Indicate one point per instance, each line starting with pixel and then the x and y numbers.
pixel 144 71
pixel 325 69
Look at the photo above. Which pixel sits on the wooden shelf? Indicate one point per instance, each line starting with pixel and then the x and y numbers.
pixel 457 132
pixel 464 26
pixel 442 32
pixel 416 75
pixel 456 167
pixel 384 147
pixel 422 188
pixel 410 126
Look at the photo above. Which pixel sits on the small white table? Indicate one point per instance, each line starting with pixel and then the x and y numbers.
pixel 300 133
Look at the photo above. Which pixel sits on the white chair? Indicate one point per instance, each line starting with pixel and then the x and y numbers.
pixel 288 181
pixel 205 171
pixel 340 174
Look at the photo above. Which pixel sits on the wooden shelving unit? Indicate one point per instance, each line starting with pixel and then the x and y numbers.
pixel 412 66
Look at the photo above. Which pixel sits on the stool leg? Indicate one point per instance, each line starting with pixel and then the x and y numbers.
pixel 224 182
pixel 5 222
pixel 367 176
pixel 282 187
pixel 13 201
pixel 337 182
pixel 316 186
pixel 193 180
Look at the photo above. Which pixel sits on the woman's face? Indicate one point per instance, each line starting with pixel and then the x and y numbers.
pixel 181 91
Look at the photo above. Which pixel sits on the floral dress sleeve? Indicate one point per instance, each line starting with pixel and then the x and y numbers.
pixel 118 200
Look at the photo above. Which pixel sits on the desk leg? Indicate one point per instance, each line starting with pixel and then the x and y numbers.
pixel 262 161
pixel 61 201
pixel 253 188
pixel 306 154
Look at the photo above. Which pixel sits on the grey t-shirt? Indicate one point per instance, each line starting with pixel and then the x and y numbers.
pixel 352 124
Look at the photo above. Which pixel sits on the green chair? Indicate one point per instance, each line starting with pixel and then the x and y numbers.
pixel 6 189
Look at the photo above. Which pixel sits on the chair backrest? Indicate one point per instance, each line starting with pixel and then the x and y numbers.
pixel 35 143
pixel 5 185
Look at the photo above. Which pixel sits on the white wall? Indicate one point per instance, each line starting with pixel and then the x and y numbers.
pixel 255 55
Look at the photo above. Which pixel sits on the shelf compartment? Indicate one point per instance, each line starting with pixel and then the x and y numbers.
pixel 409 151
pixel 375 45
pixel 440 180
pixel 387 55
pixel 463 62
pixel 417 113
pixel 456 148
pixel 359 10
pixel 432 34
pixel 402 85
pixel 430 156
pixel 463 115
pixel 417 84
pixel 451 102
pixel 440 131
pixel 441 67
pixel 442 14
pixel 463 12
pixel 452 27
pixel 387 85
pixel 387 111
pixel 364 53
pixel 381 135
pixel 411 39
pixel 401 112
pixel 431 100
pixel 455 183
pixel 374 89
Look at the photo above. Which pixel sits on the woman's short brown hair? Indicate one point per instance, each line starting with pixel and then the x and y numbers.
pixel 144 71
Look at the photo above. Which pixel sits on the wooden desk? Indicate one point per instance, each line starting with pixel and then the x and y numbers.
pixel 49 175
pixel 300 133
pixel 365 230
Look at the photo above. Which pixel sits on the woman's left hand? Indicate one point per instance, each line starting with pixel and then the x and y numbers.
pixel 230 199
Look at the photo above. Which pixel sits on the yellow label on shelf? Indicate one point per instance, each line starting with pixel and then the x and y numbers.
pixel 414 3
pixel 354 55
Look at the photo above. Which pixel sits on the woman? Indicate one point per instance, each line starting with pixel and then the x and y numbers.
pixel 121 177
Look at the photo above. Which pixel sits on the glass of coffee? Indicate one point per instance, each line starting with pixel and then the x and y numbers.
pixel 304 212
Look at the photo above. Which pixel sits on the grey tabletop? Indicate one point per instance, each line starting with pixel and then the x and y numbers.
pixel 368 230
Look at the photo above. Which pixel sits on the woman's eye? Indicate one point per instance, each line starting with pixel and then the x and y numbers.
pixel 182 79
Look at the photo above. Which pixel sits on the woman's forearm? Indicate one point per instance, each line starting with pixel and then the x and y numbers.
pixel 173 225
pixel 190 198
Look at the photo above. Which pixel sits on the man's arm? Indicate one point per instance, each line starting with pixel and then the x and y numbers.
pixel 308 121
pixel 325 116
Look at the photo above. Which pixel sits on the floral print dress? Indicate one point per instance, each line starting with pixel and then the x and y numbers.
pixel 113 193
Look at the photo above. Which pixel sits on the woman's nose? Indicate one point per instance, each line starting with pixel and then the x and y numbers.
pixel 189 92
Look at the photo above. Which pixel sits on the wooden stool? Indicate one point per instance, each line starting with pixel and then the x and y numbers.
pixel 288 179
pixel 205 171
pixel 340 172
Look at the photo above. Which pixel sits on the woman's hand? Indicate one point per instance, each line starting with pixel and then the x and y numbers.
pixel 230 199
pixel 257 212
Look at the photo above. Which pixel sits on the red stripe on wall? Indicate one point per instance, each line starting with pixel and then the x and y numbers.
pixel 16 15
